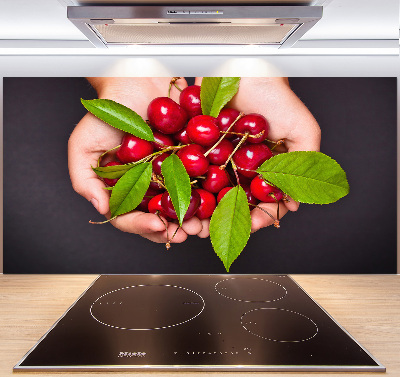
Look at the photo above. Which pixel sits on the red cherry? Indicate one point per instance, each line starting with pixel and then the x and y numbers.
pixel 162 141
pixel 157 163
pixel 189 99
pixel 192 157
pixel 264 191
pixel 203 130
pixel 254 124
pixel 166 116
pixel 207 204
pixel 216 179
pixel 133 149
pixel 169 208
pixel 182 136
pixel 250 157
pixel 110 181
pixel 155 206
pixel 222 193
pixel 225 118
pixel 221 152
pixel 251 199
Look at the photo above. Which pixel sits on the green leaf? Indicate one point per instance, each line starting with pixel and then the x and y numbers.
pixel 114 172
pixel 216 92
pixel 230 226
pixel 119 116
pixel 306 176
pixel 177 182
pixel 130 189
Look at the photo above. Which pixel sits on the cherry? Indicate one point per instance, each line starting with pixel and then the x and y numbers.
pixel 169 210
pixel 192 157
pixel 254 124
pixel 250 157
pixel 182 136
pixel 110 181
pixel 189 99
pixel 207 204
pixel 225 119
pixel 221 152
pixel 166 116
pixel 162 141
pixel 157 163
pixel 203 130
pixel 133 149
pixel 222 193
pixel 250 197
pixel 264 191
pixel 216 179
pixel 155 206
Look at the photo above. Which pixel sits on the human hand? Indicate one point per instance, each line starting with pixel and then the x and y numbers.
pixel 92 137
pixel 288 119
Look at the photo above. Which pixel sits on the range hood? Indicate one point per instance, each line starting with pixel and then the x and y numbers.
pixel 160 24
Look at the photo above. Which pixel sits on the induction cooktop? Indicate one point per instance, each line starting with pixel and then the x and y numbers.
pixel 197 322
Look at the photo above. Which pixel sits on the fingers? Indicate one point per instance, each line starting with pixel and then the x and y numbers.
pixel 260 219
pixel 192 226
pixel 198 80
pixel 150 226
pixel 205 231
pixel 291 204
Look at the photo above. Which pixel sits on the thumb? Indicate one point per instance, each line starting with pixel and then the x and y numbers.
pixel 84 180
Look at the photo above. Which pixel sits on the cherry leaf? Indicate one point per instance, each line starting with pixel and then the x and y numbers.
pixel 177 182
pixel 216 92
pixel 130 189
pixel 230 226
pixel 119 116
pixel 114 171
pixel 306 176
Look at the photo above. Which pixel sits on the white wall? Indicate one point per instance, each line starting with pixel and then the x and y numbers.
pixel 295 66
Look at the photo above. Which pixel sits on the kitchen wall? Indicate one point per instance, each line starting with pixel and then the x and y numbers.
pixel 299 66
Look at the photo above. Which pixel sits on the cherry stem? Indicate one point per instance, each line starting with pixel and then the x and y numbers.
pixel 264 210
pixel 235 171
pixel 168 244
pixel 277 143
pixel 173 82
pixel 102 222
pixel 103 154
pixel 223 135
pixel 155 178
pixel 234 151
pixel 241 134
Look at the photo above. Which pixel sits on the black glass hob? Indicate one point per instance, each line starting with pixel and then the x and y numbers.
pixel 197 322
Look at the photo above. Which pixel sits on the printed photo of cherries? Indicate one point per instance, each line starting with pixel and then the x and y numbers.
pixel 202 157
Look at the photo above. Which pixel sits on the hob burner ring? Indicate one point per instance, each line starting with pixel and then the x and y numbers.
pixel 253 289
pixel 147 307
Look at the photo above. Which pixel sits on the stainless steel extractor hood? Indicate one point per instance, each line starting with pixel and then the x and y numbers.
pixel 115 26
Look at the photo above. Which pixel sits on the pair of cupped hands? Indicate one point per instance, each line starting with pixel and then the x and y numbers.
pixel 288 118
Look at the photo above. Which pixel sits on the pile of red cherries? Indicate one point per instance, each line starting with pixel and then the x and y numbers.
pixel 205 148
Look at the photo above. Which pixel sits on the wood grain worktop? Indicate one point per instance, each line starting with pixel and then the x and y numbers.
pixel 367 306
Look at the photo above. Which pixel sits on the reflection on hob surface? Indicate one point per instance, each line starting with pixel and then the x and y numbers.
pixel 197 322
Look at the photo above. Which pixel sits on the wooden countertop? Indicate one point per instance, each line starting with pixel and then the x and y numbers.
pixel 367 306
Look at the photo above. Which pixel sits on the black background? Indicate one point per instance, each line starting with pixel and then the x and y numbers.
pixel 46 227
